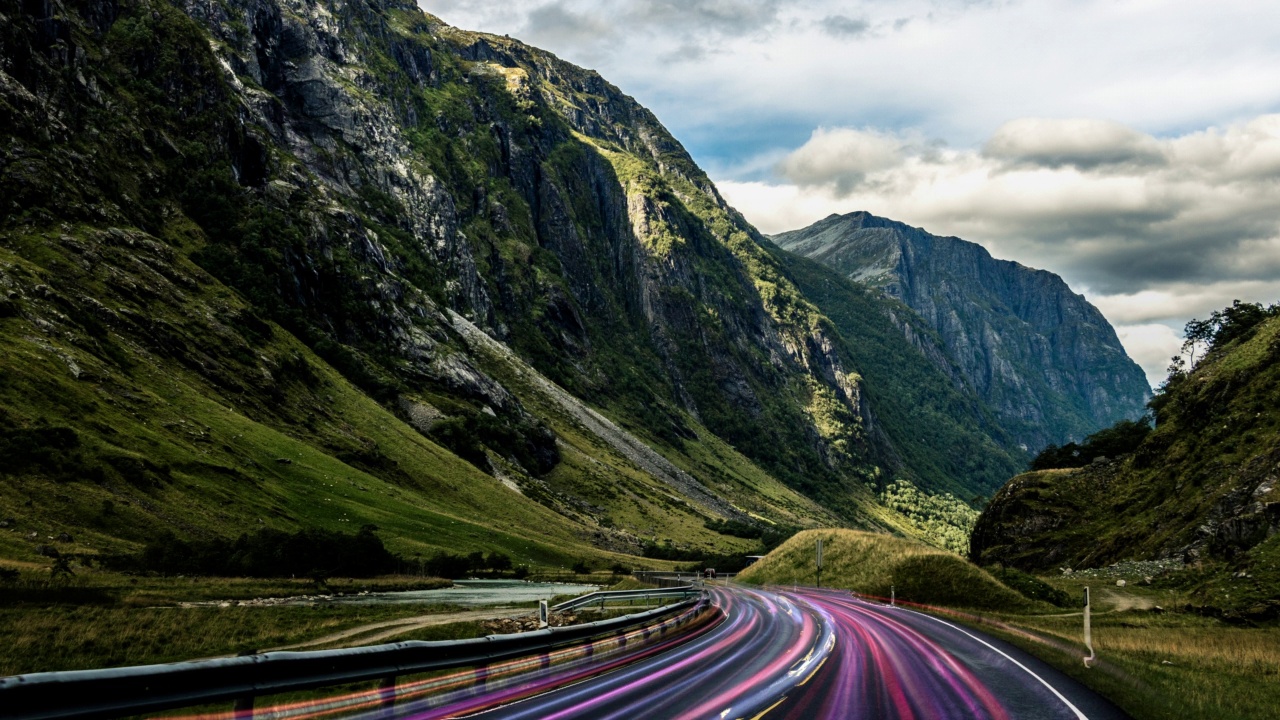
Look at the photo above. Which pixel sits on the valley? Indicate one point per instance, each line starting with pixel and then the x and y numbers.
pixel 315 298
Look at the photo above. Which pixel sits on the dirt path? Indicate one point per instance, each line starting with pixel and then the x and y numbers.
pixel 1121 601
pixel 1115 600
pixel 387 629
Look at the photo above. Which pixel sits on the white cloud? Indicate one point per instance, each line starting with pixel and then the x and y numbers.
pixel 842 157
pixel 1153 231
pixel 1074 199
pixel 1084 143
pixel 1152 347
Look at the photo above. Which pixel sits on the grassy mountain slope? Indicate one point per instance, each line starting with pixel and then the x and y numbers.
pixel 260 255
pixel 1200 488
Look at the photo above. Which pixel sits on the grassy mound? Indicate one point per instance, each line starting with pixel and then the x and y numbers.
pixel 871 563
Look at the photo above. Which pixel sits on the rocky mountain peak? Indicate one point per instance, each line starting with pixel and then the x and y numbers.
pixel 1039 354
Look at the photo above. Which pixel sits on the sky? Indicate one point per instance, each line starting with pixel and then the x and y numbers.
pixel 1131 146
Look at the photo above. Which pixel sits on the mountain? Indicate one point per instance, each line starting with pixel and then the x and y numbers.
pixel 1046 361
pixel 319 263
pixel 1199 492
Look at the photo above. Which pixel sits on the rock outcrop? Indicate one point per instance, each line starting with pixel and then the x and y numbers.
pixel 1044 359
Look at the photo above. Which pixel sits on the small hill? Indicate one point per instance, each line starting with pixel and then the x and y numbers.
pixel 871 564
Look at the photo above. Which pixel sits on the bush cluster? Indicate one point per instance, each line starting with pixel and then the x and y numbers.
pixel 449 565
pixel 310 552
pixel 1031 586
pixel 1120 439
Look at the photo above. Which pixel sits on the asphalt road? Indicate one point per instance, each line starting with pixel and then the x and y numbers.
pixel 805 654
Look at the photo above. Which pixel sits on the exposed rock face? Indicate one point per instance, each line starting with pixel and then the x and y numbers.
pixel 230 178
pixel 1041 356
pixel 492 248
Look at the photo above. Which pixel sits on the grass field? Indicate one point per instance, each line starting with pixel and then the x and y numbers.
pixel 1160 665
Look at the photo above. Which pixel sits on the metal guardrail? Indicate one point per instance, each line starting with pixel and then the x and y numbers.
pixel 126 691
pixel 604 596
pixel 670 578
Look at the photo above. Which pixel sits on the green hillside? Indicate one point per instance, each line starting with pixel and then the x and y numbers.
pixel 1199 490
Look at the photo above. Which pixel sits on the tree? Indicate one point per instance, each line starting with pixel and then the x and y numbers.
pixel 498 561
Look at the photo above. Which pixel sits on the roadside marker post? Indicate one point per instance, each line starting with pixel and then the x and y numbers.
pixel 893 596
pixel 543 619
pixel 1088 632
pixel 819 562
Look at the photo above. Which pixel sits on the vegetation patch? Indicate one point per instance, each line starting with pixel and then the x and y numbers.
pixel 878 565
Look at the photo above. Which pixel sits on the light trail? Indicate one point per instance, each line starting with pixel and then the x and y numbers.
pixel 761 655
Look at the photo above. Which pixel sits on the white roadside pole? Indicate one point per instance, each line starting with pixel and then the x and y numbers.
pixel 543 619
pixel 1088 632
pixel 819 562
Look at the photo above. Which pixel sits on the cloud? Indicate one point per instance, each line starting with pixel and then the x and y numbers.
pixel 843 26
pixel 842 158
pixel 558 25
pixel 1076 201
pixel 1151 346
pixel 729 18
pixel 1154 231
pixel 1082 143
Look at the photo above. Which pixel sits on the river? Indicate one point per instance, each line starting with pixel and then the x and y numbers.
pixel 467 593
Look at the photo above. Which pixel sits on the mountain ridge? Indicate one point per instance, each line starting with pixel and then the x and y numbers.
pixel 279 229
pixel 1039 354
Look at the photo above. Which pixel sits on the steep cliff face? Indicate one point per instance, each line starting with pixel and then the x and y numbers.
pixel 287 209
pixel 1044 359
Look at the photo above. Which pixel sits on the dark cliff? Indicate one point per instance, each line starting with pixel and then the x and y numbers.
pixel 298 263
pixel 1044 359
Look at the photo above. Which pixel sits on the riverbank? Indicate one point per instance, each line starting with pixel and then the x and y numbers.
pixel 105 620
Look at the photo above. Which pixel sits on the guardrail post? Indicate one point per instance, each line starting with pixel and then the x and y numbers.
pixel 242 708
pixel 387 690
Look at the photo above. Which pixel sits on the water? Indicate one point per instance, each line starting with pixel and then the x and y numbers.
pixel 471 593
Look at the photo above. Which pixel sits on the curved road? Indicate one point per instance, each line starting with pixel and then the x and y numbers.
pixel 798 654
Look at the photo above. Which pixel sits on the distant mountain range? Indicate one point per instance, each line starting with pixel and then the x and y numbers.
pixel 327 263
pixel 1040 356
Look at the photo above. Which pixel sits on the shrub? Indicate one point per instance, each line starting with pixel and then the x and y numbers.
pixel 310 552
pixel 1122 438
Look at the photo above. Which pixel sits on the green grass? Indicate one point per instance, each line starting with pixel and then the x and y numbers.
pixel 85 637
pixel 872 564
pixel 209 462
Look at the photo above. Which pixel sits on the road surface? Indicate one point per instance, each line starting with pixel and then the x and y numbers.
pixel 807 654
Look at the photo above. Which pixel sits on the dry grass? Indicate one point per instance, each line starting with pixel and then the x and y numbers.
pixel 1164 666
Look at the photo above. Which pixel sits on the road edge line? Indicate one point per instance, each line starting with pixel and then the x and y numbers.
pixel 1008 657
